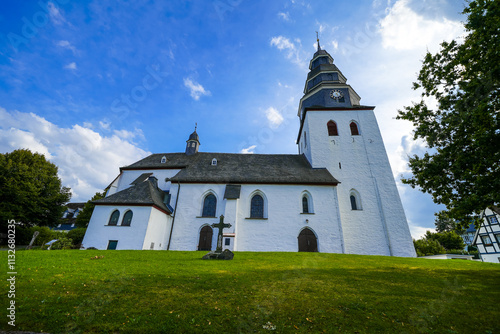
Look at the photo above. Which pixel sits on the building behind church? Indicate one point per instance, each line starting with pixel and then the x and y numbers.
pixel 337 195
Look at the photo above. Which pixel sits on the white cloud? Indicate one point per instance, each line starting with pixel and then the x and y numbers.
pixel 274 117
pixel 418 232
pixel 403 29
pixel 55 14
pixel 87 161
pixel 248 150
pixel 70 66
pixel 67 45
pixel 283 43
pixel 196 90
pixel 284 16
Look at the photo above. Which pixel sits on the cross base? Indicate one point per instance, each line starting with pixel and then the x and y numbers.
pixel 226 254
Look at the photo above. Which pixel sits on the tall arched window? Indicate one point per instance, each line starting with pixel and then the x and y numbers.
pixel 355 200
pixel 113 220
pixel 354 129
pixel 305 204
pixel 127 218
pixel 209 206
pixel 354 205
pixel 332 128
pixel 257 207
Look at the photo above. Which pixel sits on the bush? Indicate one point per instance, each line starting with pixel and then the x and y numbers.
pixel 62 243
pixel 77 235
pixel 425 247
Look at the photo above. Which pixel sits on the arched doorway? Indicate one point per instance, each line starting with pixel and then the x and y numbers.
pixel 205 242
pixel 307 241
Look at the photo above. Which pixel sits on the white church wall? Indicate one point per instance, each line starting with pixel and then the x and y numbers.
pixel 361 165
pixel 158 229
pixel 99 233
pixel 279 232
pixel 188 219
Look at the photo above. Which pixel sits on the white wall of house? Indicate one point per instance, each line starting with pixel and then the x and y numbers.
pixel 158 230
pixel 489 230
pixel 99 233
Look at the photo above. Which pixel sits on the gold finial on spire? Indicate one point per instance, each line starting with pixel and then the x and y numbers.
pixel 317 39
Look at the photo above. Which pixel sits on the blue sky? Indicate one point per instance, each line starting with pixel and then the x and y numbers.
pixel 95 85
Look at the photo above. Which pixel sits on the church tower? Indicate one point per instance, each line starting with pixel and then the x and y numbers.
pixel 338 133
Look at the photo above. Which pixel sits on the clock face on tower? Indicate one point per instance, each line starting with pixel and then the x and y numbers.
pixel 336 94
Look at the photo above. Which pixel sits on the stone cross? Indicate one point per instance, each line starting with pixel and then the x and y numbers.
pixel 220 226
pixel 33 239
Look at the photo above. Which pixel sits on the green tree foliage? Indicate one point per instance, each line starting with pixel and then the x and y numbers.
pixel 449 240
pixel 425 247
pixel 83 218
pixel 462 166
pixel 444 223
pixel 77 235
pixel 30 190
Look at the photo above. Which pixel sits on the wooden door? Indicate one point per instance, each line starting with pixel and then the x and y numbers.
pixel 307 241
pixel 205 242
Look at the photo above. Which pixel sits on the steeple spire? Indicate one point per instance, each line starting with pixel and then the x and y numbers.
pixel 317 39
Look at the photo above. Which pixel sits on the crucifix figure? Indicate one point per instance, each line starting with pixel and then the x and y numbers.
pixel 220 226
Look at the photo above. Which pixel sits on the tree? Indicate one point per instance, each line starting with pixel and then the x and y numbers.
pixel 444 223
pixel 30 190
pixel 449 240
pixel 461 169
pixel 83 218
pixel 425 247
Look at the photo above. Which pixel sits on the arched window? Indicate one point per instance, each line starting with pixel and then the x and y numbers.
pixel 305 204
pixel 113 220
pixel 332 128
pixel 127 218
pixel 209 206
pixel 257 207
pixel 354 205
pixel 354 129
pixel 355 200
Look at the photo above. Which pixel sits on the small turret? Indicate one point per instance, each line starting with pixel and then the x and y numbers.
pixel 193 143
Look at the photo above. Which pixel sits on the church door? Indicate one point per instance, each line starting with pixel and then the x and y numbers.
pixel 307 241
pixel 205 242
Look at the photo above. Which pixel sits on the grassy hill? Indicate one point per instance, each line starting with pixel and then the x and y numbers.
pixel 177 292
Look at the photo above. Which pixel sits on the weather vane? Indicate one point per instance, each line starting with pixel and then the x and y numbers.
pixel 195 126
pixel 317 39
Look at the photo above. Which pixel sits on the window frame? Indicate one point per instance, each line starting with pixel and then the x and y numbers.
pixel 357 200
pixel 356 127
pixel 205 208
pixel 483 237
pixel 111 217
pixel 130 220
pixel 262 211
pixel 332 127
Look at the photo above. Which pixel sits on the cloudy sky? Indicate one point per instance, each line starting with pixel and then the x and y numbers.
pixel 95 85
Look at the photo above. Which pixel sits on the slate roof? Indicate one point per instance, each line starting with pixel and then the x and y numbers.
pixel 238 168
pixel 144 193
pixel 232 191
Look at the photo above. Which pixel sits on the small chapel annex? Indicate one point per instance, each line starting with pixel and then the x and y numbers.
pixel 337 195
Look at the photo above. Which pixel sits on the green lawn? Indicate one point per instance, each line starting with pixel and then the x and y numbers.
pixel 177 292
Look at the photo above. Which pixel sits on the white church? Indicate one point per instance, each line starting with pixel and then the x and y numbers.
pixel 337 195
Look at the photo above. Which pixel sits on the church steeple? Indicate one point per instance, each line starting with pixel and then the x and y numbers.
pixel 193 143
pixel 326 86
